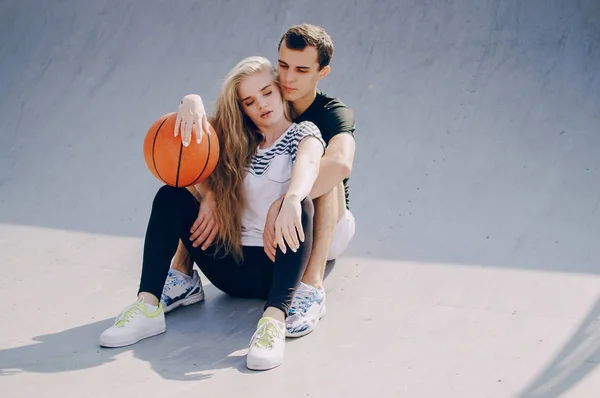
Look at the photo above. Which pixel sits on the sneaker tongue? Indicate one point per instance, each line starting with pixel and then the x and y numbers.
pixel 268 333
pixel 264 320
pixel 175 272
pixel 273 323
pixel 307 291
pixel 305 288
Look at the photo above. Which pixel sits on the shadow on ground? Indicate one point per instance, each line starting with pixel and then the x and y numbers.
pixel 578 358
pixel 199 340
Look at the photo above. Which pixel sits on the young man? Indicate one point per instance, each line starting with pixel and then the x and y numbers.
pixel 305 52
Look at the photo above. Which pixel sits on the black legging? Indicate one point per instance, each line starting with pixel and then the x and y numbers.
pixel 174 210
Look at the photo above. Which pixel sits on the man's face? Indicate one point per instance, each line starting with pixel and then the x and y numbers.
pixel 299 72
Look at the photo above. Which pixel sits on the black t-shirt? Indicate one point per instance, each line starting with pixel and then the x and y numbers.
pixel 332 117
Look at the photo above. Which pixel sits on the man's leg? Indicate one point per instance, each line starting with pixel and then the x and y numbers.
pixel 329 208
pixel 182 261
pixel 183 285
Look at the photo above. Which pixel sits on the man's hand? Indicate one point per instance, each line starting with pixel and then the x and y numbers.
pixel 191 111
pixel 206 227
pixel 270 246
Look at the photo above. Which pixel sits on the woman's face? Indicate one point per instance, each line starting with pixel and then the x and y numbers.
pixel 261 99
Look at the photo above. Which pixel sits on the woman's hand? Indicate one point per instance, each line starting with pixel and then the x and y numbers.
pixel 269 243
pixel 191 111
pixel 288 226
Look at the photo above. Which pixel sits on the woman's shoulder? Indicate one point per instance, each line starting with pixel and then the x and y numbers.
pixel 303 130
pixel 306 128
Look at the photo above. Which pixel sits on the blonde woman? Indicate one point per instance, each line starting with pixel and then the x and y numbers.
pixel 264 156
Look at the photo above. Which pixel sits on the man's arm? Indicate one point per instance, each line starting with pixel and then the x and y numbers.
pixel 200 191
pixel 336 164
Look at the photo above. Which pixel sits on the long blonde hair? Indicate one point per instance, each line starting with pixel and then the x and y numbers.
pixel 239 139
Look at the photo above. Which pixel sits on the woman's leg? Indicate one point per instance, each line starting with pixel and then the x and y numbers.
pixel 290 266
pixel 268 343
pixel 170 209
pixel 174 212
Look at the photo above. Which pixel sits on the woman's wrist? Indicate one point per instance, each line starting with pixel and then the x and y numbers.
pixel 292 197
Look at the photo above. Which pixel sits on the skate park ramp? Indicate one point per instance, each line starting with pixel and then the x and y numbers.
pixel 474 271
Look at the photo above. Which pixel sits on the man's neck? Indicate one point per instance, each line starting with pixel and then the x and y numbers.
pixel 302 104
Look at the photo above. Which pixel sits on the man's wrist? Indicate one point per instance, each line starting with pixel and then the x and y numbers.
pixel 208 195
pixel 203 190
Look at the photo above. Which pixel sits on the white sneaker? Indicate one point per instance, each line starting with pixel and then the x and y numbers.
pixel 137 321
pixel 307 308
pixel 181 290
pixel 267 345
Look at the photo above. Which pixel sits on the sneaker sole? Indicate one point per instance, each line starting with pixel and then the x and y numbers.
pixel 193 299
pixel 130 342
pixel 309 330
pixel 262 366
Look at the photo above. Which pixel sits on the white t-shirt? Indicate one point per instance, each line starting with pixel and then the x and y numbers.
pixel 268 178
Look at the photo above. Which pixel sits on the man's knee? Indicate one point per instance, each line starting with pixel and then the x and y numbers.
pixel 308 208
pixel 342 235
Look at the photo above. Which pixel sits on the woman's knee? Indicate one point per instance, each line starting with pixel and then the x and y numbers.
pixel 167 195
pixel 308 210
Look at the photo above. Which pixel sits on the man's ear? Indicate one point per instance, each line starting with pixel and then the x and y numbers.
pixel 324 72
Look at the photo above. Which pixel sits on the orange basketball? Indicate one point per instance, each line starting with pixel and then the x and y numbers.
pixel 172 162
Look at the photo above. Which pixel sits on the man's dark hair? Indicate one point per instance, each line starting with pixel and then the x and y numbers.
pixel 299 36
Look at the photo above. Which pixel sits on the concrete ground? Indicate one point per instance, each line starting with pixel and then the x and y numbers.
pixel 475 268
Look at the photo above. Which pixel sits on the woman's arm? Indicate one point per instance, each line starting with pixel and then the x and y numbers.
pixel 191 111
pixel 288 225
pixel 306 168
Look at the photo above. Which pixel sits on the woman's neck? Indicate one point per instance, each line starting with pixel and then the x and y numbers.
pixel 272 133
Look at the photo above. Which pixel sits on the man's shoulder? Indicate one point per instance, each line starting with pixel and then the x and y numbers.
pixel 330 102
pixel 330 115
pixel 328 108
pixel 336 115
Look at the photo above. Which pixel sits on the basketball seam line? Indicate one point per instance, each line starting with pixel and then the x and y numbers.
pixel 154 146
pixel 205 164
pixel 178 165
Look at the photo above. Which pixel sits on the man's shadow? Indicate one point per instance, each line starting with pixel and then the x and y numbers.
pixel 199 339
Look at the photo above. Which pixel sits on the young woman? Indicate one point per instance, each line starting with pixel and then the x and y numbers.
pixel 264 156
